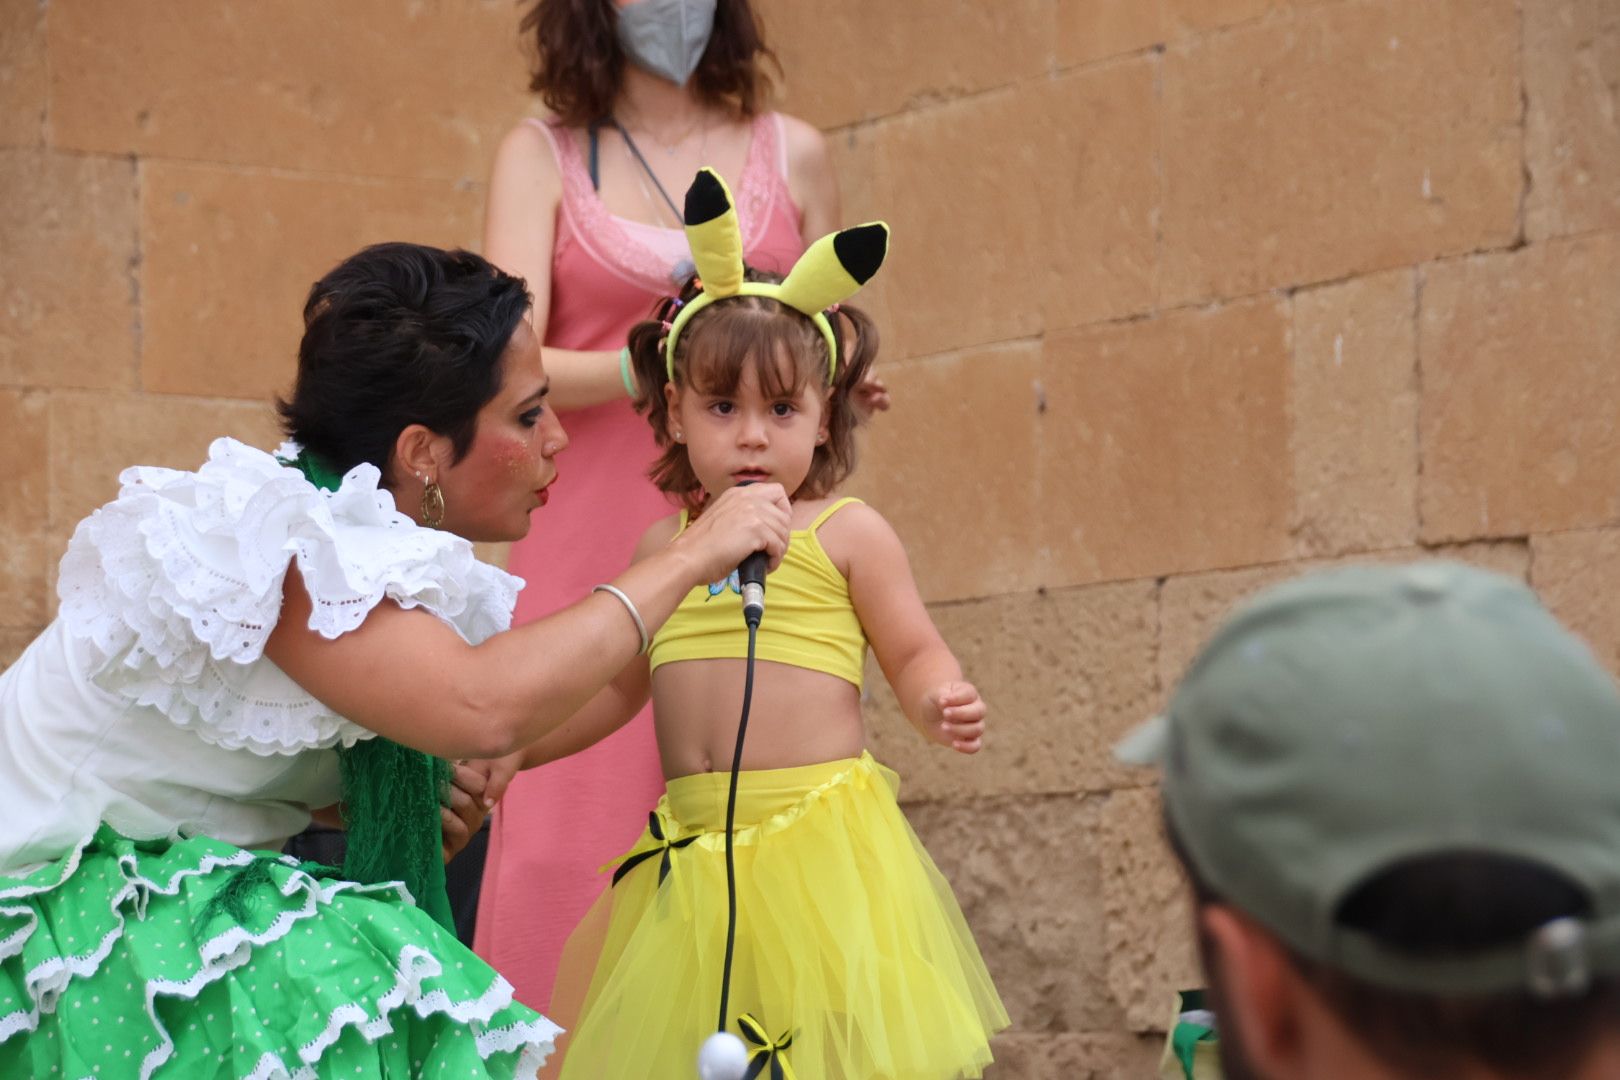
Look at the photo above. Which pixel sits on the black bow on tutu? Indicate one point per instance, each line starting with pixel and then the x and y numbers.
pixel 770 1053
pixel 663 847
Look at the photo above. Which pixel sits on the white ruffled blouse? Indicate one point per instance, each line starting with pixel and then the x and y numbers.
pixel 149 704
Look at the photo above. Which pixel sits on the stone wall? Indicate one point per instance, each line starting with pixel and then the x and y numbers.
pixel 1186 296
pixel 173 176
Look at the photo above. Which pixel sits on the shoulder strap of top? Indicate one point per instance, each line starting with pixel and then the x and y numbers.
pixel 594 132
pixel 577 178
pixel 830 511
pixel 780 132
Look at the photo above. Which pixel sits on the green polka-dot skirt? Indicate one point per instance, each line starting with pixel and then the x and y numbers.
pixel 193 958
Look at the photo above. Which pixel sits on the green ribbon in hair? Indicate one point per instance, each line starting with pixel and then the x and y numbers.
pixel 391 795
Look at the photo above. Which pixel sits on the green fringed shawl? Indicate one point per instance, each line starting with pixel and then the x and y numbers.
pixel 391 797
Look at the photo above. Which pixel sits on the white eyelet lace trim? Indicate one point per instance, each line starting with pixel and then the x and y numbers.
pixel 177 584
pixel 46 981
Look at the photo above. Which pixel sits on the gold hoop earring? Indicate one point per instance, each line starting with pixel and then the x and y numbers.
pixel 432 505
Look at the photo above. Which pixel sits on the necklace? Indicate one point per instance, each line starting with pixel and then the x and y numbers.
pixel 647 172
pixel 672 146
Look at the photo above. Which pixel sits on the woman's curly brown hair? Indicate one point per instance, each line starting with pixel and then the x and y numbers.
pixel 579 65
pixel 750 332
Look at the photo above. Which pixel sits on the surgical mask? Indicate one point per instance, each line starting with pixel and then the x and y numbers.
pixel 667 37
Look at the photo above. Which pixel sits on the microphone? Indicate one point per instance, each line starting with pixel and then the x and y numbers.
pixel 751 576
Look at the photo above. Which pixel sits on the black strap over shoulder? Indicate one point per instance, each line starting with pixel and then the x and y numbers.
pixel 592 133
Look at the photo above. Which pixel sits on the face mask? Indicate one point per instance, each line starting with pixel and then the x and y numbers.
pixel 667 37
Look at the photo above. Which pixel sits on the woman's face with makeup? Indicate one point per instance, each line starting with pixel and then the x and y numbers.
pixel 507 471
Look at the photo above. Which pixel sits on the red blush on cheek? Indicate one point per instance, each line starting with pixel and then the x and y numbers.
pixel 502 462
pixel 513 455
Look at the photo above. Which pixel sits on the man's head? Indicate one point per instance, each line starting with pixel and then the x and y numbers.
pixel 1397 793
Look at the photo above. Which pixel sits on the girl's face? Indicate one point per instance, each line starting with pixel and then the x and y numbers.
pixel 490 493
pixel 747 435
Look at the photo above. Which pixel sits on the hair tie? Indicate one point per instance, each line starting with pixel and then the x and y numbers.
pixel 676 303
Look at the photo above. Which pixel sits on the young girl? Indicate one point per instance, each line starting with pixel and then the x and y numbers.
pixel 852 958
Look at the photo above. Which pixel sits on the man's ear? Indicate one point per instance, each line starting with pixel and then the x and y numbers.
pixel 1259 990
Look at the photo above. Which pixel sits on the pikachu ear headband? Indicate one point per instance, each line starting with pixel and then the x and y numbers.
pixel 829 272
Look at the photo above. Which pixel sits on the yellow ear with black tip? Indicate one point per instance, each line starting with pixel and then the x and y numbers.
pixel 713 234
pixel 835 267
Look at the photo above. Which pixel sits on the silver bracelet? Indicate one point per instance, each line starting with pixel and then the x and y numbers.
pixel 629 605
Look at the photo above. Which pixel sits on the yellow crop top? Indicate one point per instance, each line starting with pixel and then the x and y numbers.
pixel 809 621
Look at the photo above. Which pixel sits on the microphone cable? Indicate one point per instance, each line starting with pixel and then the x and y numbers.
pixel 752 615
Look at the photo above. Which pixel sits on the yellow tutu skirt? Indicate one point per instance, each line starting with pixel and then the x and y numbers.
pixel 852 957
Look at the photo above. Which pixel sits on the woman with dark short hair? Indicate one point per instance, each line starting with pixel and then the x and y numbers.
pixel 582 204
pixel 273 633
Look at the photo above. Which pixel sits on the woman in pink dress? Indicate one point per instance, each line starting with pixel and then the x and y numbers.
pixel 641 94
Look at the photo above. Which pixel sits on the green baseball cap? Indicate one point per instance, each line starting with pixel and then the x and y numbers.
pixel 1350 720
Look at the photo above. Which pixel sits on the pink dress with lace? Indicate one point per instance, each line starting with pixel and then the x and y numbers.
pixel 560 823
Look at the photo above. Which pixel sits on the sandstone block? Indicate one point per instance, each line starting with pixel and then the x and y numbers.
pixel 24 574
pixel 24 487
pixel 952 467
pixel 1184 17
pixel 1165 444
pixel 1070 1056
pixel 1577 575
pixel 93 437
pixel 24 79
pixel 1572 130
pixel 1098 189
pixel 846 61
pixel 854 155
pixel 24 430
pixel 1065 675
pixel 13 642
pixel 1090 30
pixel 1354 408
pixel 1062 187
pixel 56 545
pixel 1337 139
pixel 374 87
pixel 965 276
pixel 1147 911
pixel 68 250
pixel 1519 376
pixel 230 257
pixel 1191 606
pixel 1025 871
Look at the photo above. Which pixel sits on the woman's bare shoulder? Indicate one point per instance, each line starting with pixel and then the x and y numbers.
pixel 806 145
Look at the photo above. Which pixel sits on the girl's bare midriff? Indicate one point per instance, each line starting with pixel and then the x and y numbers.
pixel 798 716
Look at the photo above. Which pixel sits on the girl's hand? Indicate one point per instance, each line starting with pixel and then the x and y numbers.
pixel 465 809
pixel 741 521
pixel 869 396
pixel 496 775
pixel 955 717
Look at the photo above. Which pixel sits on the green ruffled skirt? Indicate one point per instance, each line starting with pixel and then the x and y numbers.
pixel 193 958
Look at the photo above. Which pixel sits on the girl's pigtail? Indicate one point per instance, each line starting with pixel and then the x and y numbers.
pixel 672 472
pixel 647 361
pixel 834 460
pixel 857 338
